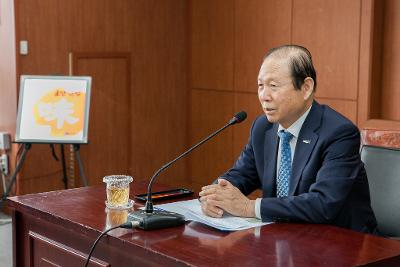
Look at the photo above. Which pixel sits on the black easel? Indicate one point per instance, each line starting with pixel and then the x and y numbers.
pixel 64 167
pixel 80 164
pixel 26 147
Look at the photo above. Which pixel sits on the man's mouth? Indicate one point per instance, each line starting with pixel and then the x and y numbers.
pixel 266 108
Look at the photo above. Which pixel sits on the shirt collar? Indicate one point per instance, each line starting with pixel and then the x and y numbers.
pixel 295 128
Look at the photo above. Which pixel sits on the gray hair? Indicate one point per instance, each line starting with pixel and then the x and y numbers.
pixel 301 65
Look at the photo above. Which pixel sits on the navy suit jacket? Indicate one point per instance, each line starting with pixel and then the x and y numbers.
pixel 328 182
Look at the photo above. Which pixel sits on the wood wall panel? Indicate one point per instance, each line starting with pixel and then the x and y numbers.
pixel 40 171
pixel 376 29
pixel 366 62
pixel 39 24
pixel 259 26
pixel 390 93
pixel 330 30
pixel 103 25
pixel 241 132
pixel 210 111
pixel 159 89
pixel 212 38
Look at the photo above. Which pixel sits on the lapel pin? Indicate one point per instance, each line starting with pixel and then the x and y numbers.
pixel 307 141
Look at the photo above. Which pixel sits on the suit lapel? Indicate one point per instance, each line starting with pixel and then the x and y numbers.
pixel 270 154
pixel 305 145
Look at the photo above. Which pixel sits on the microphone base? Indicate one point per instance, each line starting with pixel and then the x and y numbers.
pixel 157 219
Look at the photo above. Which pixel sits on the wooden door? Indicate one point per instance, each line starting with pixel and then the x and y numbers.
pixel 108 151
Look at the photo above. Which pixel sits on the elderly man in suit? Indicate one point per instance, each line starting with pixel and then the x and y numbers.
pixel 303 155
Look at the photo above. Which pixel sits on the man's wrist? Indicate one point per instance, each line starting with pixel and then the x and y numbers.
pixel 250 211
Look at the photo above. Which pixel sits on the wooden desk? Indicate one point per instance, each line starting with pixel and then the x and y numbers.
pixel 57 229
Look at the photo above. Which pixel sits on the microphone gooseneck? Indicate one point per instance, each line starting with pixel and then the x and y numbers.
pixel 239 117
pixel 164 219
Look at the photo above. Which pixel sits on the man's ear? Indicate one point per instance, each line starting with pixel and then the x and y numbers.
pixel 307 87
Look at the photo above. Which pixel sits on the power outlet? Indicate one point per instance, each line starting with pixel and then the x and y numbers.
pixel 4 164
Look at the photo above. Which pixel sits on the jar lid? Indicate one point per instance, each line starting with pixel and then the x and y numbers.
pixel 117 178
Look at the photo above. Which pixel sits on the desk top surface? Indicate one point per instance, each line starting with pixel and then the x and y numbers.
pixel 280 244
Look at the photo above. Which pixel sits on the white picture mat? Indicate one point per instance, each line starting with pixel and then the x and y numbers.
pixel 33 88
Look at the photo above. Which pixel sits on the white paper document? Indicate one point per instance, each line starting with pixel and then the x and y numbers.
pixel 192 211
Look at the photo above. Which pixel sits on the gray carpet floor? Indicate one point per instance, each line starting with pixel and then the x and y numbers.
pixel 5 240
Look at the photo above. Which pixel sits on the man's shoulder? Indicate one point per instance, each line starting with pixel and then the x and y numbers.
pixel 332 118
pixel 335 124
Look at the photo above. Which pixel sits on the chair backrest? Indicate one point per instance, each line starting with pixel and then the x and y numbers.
pixel 383 170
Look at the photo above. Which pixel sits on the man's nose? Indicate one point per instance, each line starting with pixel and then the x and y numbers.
pixel 265 93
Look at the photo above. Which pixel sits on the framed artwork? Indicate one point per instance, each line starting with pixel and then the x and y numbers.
pixel 53 109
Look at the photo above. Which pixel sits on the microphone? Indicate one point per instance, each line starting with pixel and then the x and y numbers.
pixel 149 219
pixel 238 118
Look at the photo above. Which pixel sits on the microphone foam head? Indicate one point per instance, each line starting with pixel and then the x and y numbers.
pixel 239 117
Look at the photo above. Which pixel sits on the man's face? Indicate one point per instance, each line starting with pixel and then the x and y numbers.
pixel 280 101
